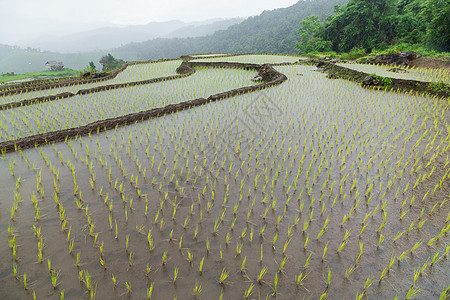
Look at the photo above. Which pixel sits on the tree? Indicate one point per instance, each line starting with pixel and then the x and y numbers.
pixel 361 23
pixel 437 14
pixel 309 35
pixel 410 26
pixel 92 66
pixel 110 63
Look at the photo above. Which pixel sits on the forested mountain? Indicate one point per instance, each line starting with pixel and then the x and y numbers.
pixel 271 32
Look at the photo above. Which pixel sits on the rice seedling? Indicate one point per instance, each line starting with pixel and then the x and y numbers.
pixel 361 247
pixel 175 274
pixel 128 286
pixel 286 244
pixel 248 291
pixel 300 278
pixel 261 274
pixel 307 261
pixel 190 257
pixel 25 281
pixel 114 280
pixel 243 265
pixel 435 259
pixel 283 262
pixel 15 270
pixel 54 275
pixel 150 291
pixel 223 277
pixel 349 271
pixel 413 292
pixel 127 238
pixel 164 258
pixel 275 285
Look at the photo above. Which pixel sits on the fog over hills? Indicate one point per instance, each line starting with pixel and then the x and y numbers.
pixel 272 31
pixel 112 37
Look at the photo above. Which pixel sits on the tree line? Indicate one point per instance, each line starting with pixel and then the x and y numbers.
pixel 377 24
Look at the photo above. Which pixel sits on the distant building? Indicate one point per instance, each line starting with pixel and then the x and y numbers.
pixel 54 65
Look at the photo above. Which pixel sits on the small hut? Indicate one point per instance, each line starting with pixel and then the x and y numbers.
pixel 54 65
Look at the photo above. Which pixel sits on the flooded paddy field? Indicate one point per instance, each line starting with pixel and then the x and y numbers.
pixel 254 59
pixel 136 72
pixel 419 74
pixel 83 109
pixel 313 188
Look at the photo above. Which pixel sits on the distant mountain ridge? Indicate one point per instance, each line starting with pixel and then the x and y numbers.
pixel 112 37
pixel 270 32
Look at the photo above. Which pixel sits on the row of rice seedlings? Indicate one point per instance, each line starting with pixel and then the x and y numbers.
pixel 84 109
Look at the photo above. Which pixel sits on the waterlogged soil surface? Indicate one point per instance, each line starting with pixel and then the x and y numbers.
pixel 255 59
pixel 311 187
pixel 419 74
pixel 84 109
pixel 137 72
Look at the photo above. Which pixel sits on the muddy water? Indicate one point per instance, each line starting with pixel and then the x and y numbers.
pixel 293 138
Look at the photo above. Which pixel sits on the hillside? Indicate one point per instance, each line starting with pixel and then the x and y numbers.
pixel 271 32
pixel 112 37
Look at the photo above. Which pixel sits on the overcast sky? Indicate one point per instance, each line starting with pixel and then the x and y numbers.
pixel 26 19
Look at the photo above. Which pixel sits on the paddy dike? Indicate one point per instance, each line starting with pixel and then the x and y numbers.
pixel 89 91
pixel 375 81
pixel 39 86
pixel 268 74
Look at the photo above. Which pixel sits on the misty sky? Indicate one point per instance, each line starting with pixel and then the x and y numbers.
pixel 22 20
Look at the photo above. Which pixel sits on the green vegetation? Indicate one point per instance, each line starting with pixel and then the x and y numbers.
pixel 8 77
pixel 386 81
pixel 440 87
pixel 91 68
pixel 366 26
pixel 108 62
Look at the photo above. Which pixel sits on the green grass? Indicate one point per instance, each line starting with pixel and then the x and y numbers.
pixel 56 74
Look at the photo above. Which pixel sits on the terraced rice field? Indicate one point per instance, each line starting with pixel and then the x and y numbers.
pixel 419 74
pixel 311 189
pixel 137 72
pixel 84 109
pixel 254 59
